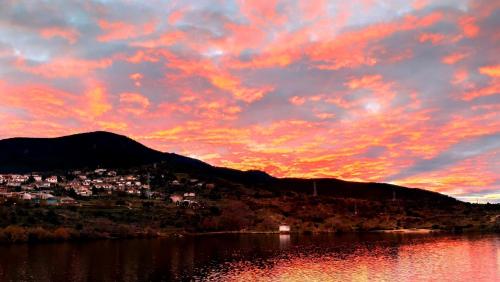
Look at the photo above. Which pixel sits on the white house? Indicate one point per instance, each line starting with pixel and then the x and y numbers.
pixel 46 196
pixel 100 171
pixel 37 178
pixel 51 180
pixel 28 187
pixel 67 201
pixel 84 192
pixel 13 184
pixel 44 185
pixel 20 178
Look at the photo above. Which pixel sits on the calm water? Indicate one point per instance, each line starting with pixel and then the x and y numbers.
pixel 368 257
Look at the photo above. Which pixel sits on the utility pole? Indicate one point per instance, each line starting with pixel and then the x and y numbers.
pixel 393 195
pixel 315 192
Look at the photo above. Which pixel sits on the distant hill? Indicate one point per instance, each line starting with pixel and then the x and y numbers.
pixel 109 150
pixel 101 149
pixel 95 149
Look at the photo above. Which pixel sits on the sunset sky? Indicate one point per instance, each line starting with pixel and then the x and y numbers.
pixel 405 92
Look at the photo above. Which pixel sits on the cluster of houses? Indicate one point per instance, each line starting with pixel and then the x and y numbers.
pixel 33 188
pixel 105 180
pixel 42 197
pixel 81 183
pixel 37 188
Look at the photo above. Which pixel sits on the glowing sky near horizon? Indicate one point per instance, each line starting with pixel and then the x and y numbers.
pixel 405 92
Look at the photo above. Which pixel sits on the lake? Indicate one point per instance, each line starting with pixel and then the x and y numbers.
pixel 260 257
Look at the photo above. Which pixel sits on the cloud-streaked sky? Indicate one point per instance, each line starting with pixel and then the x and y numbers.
pixel 405 92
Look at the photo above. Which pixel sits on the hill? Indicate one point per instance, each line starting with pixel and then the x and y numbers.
pixel 209 198
pixel 109 150
pixel 95 149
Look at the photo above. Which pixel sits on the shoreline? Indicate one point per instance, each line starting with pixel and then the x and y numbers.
pixel 184 234
pixel 412 231
pixel 386 231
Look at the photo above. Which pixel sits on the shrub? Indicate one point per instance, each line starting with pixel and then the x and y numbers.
pixel 39 234
pixel 16 234
pixel 62 234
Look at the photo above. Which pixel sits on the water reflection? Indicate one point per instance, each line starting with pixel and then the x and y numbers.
pixel 368 257
pixel 284 241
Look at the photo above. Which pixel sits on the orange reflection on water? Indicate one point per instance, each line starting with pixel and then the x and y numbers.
pixel 443 260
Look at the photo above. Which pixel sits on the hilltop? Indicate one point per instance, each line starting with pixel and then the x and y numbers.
pixel 79 151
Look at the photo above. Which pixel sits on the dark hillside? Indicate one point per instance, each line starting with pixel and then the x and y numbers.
pixel 360 190
pixel 109 150
pixel 87 150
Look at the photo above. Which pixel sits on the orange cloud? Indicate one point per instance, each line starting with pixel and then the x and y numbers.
pixel 40 101
pixel 134 98
pixel 489 90
pixel 136 77
pixel 493 71
pixel 472 173
pixel 134 103
pixel 96 101
pixel 454 58
pixel 64 67
pixel 43 102
pixel 297 101
pixel 469 27
pixel 365 81
pixel 69 34
pixel 460 76
pixel 121 30
pixel 419 4
pixel 233 85
pixel 434 38
pixel 262 12
pixel 175 16
pixel 350 49
pixel 142 56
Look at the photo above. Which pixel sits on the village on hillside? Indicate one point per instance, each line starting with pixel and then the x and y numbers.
pixel 154 200
pixel 70 188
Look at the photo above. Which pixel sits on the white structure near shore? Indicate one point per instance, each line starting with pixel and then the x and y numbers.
pixel 284 229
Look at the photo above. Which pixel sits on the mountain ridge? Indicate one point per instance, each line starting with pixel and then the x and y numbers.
pixel 105 149
pixel 110 150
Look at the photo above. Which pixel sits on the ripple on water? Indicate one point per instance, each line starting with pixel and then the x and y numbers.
pixel 443 259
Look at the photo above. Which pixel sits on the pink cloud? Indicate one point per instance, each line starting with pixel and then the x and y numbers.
pixel 64 67
pixel 69 34
pixel 122 30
